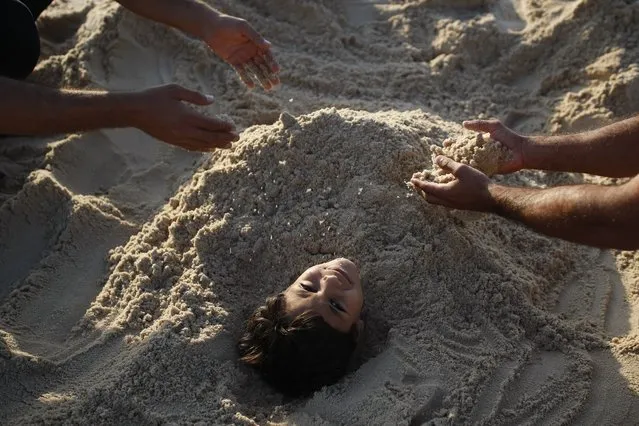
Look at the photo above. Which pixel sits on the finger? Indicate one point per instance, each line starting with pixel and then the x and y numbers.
pixel 244 76
pixel 264 76
pixel 191 96
pixel 254 36
pixel 209 123
pixel 265 72
pixel 256 71
pixel 188 144
pixel 449 165
pixel 485 126
pixel 195 145
pixel 432 199
pixel 430 188
pixel 275 80
pixel 209 140
pixel 271 62
pixel 433 193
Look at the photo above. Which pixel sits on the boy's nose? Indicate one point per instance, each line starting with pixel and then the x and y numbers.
pixel 331 283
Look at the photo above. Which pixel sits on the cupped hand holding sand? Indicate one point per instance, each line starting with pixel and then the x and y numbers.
pixel 462 166
pixel 161 113
pixel 234 40
pixel 515 143
pixel 471 189
pixel 494 149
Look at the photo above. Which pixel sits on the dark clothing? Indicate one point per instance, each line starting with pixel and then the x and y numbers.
pixel 36 6
pixel 19 38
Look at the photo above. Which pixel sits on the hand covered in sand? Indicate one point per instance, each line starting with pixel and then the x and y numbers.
pixel 469 190
pixel 500 133
pixel 162 113
pixel 235 41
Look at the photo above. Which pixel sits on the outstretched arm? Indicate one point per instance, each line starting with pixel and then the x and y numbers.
pixel 27 109
pixel 231 38
pixel 611 151
pixel 602 216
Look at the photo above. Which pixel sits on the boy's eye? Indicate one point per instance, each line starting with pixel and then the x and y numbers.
pixel 336 306
pixel 308 288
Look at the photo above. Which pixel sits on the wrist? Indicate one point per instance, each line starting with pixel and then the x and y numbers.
pixel 129 109
pixel 207 24
pixel 538 152
pixel 496 196
pixel 530 151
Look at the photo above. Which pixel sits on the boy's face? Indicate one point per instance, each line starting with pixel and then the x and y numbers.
pixel 332 290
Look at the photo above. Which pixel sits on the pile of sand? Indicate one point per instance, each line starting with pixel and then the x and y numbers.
pixel 129 267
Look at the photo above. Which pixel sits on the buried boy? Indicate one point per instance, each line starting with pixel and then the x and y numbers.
pixel 304 337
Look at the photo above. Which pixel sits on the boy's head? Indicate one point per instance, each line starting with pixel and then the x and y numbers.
pixel 303 338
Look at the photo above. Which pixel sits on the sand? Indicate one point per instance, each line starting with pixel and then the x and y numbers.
pixel 128 266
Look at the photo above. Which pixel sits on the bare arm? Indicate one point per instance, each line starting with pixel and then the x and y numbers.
pixel 190 16
pixel 27 109
pixel 611 151
pixel 602 216
pixel 231 38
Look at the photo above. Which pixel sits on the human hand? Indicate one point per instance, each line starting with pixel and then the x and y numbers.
pixel 516 143
pixel 162 113
pixel 469 191
pixel 235 41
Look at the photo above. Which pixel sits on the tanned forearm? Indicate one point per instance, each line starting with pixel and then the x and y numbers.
pixel 27 109
pixel 190 16
pixel 609 151
pixel 601 216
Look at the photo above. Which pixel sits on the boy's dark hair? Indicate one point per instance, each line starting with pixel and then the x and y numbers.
pixel 295 355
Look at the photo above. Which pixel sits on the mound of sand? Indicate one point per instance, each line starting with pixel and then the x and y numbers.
pixel 129 267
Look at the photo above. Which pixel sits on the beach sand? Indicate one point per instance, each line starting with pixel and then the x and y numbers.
pixel 128 267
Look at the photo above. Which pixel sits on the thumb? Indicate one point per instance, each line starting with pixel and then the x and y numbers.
pixel 448 165
pixel 192 96
pixel 485 126
pixel 254 36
